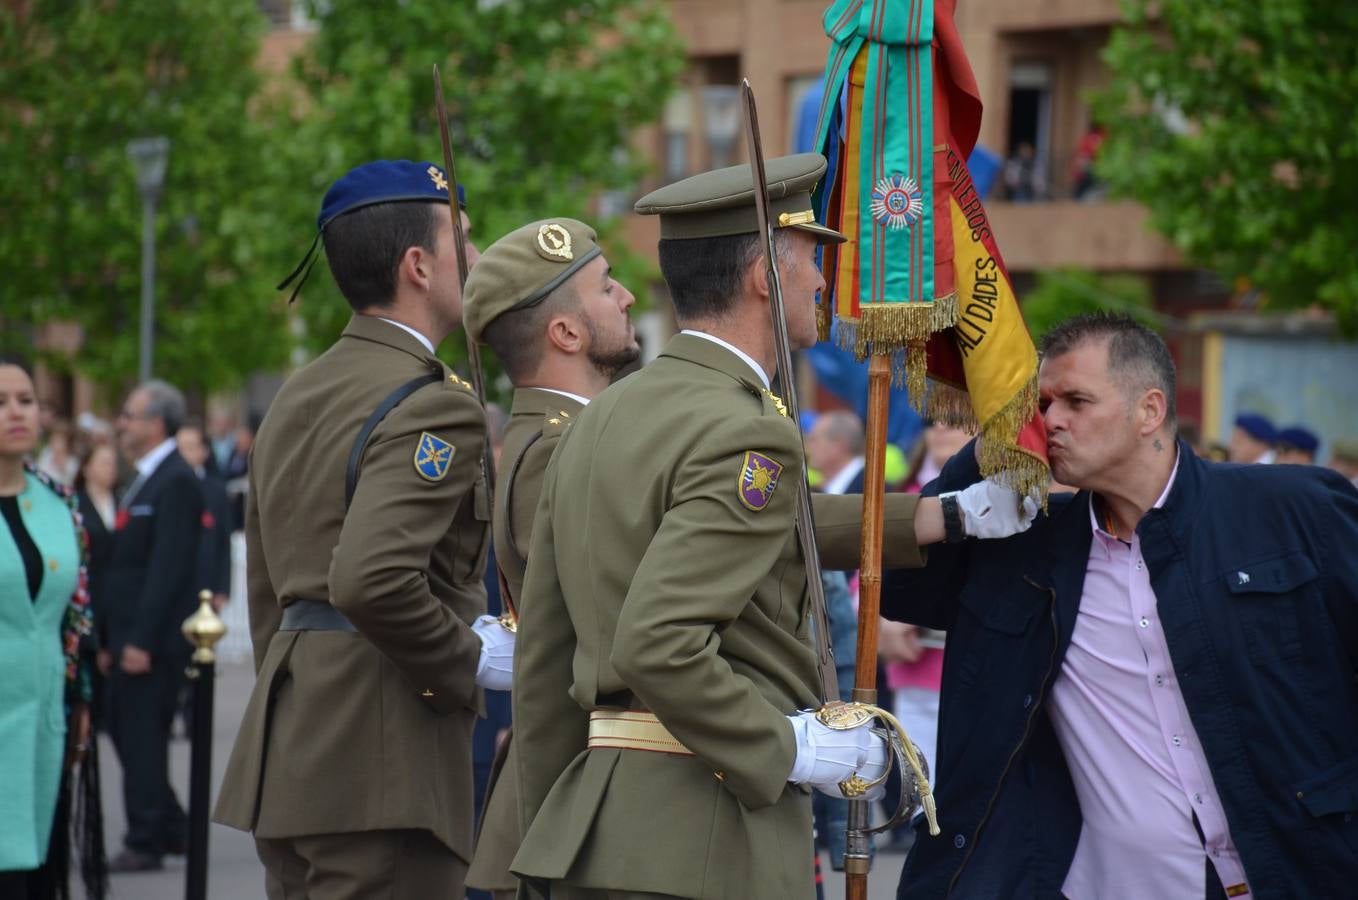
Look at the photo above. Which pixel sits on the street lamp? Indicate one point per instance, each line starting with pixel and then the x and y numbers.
pixel 149 156
pixel 721 121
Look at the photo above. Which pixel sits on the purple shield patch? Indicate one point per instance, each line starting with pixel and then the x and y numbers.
pixel 758 477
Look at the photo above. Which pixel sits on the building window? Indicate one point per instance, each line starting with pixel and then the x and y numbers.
pixel 678 125
pixel 1028 154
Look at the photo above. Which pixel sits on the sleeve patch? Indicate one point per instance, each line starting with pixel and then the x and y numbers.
pixel 759 476
pixel 433 457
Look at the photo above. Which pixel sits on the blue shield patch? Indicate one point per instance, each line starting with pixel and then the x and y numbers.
pixel 433 457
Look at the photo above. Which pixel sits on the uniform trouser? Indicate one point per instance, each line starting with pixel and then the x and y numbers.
pixel 407 864
pixel 141 708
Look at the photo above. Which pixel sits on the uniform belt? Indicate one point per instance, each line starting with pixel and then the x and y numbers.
pixel 629 729
pixel 314 615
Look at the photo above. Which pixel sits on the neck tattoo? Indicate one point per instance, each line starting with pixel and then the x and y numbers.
pixel 1159 447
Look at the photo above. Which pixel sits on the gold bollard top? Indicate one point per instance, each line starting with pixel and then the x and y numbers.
pixel 203 629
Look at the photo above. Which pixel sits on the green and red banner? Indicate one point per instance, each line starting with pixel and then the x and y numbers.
pixel 921 278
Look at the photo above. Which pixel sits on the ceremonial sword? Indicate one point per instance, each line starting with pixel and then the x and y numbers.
pixel 806 529
pixel 510 618
pixel 833 712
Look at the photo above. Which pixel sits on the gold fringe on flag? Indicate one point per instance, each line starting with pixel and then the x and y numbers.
pixel 1003 459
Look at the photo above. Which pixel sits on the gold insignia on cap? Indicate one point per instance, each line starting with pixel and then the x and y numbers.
pixel 554 242
pixel 805 217
pixel 440 183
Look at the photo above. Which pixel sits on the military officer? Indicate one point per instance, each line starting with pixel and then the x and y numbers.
pixel 366 529
pixel 665 590
pixel 544 298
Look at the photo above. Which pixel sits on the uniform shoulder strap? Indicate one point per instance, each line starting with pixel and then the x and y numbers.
pixel 508 489
pixel 360 442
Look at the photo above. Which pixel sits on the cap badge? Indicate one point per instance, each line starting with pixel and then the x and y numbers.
pixel 897 201
pixel 440 183
pixel 554 242
pixel 758 477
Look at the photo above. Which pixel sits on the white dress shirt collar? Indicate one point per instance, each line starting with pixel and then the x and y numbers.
pixel 583 401
pixel 744 357
pixel 428 344
pixel 152 460
pixel 840 482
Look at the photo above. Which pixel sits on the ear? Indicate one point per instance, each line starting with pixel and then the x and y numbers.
pixel 566 333
pixel 756 278
pixel 1151 410
pixel 416 267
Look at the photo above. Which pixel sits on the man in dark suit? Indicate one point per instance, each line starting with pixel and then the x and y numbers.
pixel 834 447
pixel 152 586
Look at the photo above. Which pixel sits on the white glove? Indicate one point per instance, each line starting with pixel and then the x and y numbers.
pixel 991 510
pixel 827 756
pixel 495 670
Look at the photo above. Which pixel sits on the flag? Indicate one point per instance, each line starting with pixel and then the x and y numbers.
pixel 921 278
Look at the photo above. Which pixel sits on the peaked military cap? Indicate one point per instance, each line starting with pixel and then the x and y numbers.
pixel 520 269
pixel 382 181
pixel 721 202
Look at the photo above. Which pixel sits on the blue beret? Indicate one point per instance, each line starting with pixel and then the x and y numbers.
pixel 1257 427
pixel 1301 438
pixel 385 181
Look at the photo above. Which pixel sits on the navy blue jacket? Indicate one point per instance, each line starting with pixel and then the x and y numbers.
pixel 1255 571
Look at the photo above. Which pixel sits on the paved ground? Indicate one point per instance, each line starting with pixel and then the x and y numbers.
pixel 234 872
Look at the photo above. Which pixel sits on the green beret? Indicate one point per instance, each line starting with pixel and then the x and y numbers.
pixel 721 202
pixel 520 269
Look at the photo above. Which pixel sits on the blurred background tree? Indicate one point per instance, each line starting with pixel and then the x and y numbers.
pixel 1060 294
pixel 1233 122
pixel 78 81
pixel 543 98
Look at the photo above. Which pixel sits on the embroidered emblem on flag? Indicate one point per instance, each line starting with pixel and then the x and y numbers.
pixel 897 201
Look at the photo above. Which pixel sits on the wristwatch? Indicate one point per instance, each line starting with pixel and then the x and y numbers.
pixel 952 519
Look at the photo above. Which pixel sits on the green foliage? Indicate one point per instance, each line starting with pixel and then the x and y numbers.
pixel 1233 122
pixel 1062 294
pixel 543 97
pixel 79 79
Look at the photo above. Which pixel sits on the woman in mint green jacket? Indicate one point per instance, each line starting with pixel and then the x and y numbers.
pixel 44 610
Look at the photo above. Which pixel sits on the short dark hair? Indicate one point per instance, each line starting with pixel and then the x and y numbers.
pixel 364 248
pixel 14 359
pixel 1137 356
pixel 516 336
pixel 704 274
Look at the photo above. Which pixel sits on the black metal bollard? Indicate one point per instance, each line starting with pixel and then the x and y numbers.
pixel 202 629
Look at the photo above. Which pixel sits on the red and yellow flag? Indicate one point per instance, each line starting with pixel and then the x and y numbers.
pixel 957 318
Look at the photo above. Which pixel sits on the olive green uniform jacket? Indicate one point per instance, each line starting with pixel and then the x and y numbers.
pixel 655 583
pixel 370 730
pixel 537 420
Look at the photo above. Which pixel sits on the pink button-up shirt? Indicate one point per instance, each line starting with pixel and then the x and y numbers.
pixel 1139 771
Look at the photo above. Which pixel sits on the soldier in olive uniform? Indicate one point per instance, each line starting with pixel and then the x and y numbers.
pixel 545 300
pixel 366 529
pixel 664 650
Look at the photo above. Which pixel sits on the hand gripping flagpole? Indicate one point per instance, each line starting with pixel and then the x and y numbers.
pixel 510 619
pixel 834 712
